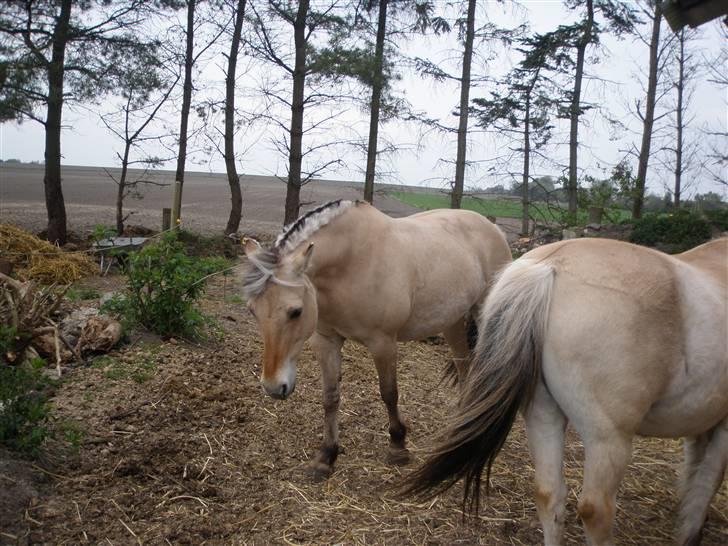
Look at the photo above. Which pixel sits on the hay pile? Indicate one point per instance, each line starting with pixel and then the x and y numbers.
pixel 38 260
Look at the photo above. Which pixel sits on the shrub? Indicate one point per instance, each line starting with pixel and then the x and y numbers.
pixel 718 218
pixel 163 286
pixel 24 408
pixel 672 232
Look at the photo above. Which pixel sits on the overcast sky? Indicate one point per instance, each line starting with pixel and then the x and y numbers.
pixel 622 65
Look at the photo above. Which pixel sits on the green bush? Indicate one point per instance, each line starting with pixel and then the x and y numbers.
pixel 24 407
pixel 718 218
pixel 671 232
pixel 163 286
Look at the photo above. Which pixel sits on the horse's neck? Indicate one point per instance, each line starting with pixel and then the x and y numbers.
pixel 337 243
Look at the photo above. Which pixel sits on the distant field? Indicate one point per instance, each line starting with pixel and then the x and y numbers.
pixel 499 207
pixel 504 208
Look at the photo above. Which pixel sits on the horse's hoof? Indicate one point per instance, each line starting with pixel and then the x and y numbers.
pixel 319 472
pixel 399 456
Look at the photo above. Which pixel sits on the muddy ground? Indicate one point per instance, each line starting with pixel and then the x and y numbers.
pixel 90 196
pixel 175 443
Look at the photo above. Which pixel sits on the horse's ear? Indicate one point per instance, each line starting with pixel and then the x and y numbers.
pixel 251 246
pixel 301 260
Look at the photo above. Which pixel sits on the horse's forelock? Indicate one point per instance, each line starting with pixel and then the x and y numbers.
pixel 258 271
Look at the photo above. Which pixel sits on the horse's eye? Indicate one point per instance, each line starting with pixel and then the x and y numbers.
pixel 295 313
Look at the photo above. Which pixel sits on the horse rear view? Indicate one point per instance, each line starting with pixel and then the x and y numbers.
pixel 616 339
pixel 347 271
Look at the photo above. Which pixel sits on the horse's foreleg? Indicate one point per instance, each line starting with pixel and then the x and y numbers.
pixel 545 428
pixel 705 463
pixel 606 456
pixel 328 354
pixel 385 359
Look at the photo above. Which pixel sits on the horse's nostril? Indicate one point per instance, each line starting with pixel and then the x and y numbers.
pixel 284 389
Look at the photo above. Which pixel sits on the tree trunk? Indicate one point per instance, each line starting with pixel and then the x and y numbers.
pixel 55 204
pixel 186 103
pixel 236 196
pixel 586 38
pixel 457 190
pixel 649 118
pixel 122 189
pixel 299 82
pixel 679 139
pixel 377 84
pixel 526 164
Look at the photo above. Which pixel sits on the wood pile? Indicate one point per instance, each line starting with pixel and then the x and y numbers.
pixel 31 313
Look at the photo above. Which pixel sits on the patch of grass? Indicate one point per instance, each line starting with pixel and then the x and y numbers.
pixel 82 294
pixel 505 208
pixel 502 207
pixel 238 300
pixel 141 369
pixel 72 433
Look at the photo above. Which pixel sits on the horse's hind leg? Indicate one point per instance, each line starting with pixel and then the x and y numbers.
pixel 385 359
pixel 456 337
pixel 545 427
pixel 706 457
pixel 607 453
pixel 328 354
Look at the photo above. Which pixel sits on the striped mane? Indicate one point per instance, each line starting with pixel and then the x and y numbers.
pixel 297 232
pixel 260 267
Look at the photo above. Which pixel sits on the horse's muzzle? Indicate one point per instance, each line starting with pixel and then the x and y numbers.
pixel 279 391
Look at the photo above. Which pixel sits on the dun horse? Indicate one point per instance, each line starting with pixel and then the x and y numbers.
pixel 347 271
pixel 620 341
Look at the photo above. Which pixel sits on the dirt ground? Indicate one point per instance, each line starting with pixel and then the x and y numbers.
pixel 175 443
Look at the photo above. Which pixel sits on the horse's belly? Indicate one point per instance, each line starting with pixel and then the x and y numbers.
pixel 690 415
pixel 424 325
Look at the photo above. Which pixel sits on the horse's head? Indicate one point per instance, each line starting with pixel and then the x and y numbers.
pixel 283 302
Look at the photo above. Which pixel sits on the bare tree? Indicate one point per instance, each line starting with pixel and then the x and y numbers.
pixel 621 19
pixel 191 57
pixel 63 51
pixel 377 84
pixel 648 119
pixel 186 103
pixel 457 190
pixel 319 63
pixel 717 156
pixel 236 196
pixel 685 151
pixel 144 91
pixel 575 109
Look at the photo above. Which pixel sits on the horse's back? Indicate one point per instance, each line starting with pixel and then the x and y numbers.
pixel 636 334
pixel 445 259
pixel 711 258
pixel 463 231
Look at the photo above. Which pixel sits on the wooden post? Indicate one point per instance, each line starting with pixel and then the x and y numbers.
pixel 177 204
pixel 166 219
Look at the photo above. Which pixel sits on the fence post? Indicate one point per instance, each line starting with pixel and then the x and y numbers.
pixel 166 219
pixel 177 204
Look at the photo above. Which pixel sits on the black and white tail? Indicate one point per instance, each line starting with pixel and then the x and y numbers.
pixel 504 371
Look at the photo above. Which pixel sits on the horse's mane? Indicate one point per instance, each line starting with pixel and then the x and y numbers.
pixel 307 224
pixel 259 269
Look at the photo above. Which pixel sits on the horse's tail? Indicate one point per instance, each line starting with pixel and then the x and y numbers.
pixel 504 372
